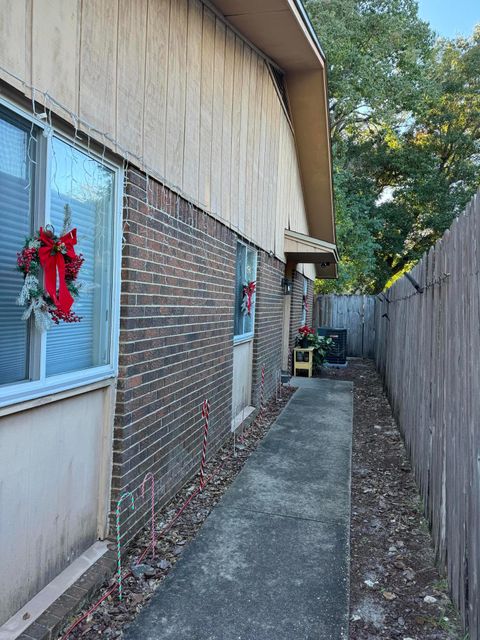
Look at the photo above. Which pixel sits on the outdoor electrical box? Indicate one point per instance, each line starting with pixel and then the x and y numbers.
pixel 337 353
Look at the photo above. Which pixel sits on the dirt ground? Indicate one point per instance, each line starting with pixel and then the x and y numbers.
pixel 396 591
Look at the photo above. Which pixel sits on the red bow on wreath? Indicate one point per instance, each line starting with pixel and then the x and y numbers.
pixel 51 255
pixel 248 291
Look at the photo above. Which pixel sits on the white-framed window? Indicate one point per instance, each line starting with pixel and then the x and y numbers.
pixel 246 273
pixel 304 302
pixel 41 171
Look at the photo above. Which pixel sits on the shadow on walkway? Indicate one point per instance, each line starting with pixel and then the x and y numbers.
pixel 271 561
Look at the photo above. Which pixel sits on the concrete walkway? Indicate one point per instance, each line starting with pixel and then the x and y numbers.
pixel 271 561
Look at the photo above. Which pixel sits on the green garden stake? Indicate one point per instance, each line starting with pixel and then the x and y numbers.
pixel 127 494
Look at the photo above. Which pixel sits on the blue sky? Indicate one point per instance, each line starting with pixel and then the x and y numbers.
pixel 450 18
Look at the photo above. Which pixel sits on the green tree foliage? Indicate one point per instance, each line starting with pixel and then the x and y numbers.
pixel 356 229
pixel 405 117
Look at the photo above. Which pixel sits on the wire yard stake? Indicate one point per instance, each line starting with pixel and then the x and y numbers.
pixel 127 494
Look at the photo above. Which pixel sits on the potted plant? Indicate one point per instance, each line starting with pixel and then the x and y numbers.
pixel 308 337
pixel 301 339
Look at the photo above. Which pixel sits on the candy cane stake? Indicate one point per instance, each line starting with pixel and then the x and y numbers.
pixel 127 494
pixel 151 477
pixel 205 414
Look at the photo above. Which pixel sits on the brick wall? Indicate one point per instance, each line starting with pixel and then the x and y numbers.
pixel 176 332
pixel 267 344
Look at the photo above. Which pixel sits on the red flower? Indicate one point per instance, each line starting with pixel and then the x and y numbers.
pixel 306 330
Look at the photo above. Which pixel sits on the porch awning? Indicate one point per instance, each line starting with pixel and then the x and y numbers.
pixel 300 248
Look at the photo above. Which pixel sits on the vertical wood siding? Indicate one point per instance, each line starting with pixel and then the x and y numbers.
pixel 173 85
pixel 427 352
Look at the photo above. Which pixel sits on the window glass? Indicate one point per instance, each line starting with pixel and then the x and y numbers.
pixel 246 268
pixel 238 320
pixel 17 150
pixel 304 302
pixel 87 187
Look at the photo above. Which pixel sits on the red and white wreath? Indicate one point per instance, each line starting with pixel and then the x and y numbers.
pixel 248 292
pixel 50 303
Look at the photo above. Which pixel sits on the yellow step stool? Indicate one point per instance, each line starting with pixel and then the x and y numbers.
pixel 303 360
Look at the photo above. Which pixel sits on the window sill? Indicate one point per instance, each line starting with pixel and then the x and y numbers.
pixel 241 339
pixel 47 396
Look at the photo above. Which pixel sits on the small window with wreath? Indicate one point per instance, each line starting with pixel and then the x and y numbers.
pixel 245 291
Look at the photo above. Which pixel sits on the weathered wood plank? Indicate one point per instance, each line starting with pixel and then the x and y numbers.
pixel 13 36
pixel 227 124
pixel 236 124
pixel 206 109
pixel 191 154
pixel 98 63
pixel 55 41
pixel 177 74
pixel 217 117
pixel 132 19
pixel 249 176
pixel 242 141
pixel 262 160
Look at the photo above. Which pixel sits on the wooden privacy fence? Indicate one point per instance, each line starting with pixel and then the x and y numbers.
pixel 354 313
pixel 427 349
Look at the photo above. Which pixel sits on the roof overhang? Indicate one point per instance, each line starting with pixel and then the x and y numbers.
pixel 283 32
pixel 279 28
pixel 302 249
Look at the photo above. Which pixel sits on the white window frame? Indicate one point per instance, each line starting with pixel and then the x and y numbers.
pixel 245 337
pixel 31 389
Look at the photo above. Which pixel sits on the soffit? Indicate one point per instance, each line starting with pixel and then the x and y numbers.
pixel 277 28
